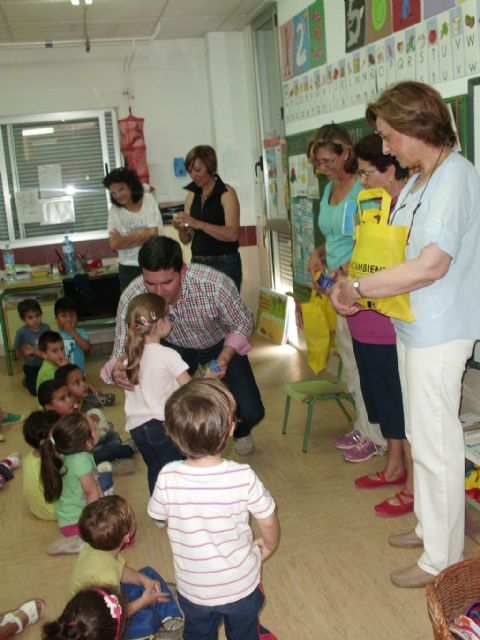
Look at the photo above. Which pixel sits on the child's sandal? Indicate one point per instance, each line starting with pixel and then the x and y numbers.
pixel 33 609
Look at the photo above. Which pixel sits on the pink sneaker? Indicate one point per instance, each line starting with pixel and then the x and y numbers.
pixel 349 440
pixel 363 450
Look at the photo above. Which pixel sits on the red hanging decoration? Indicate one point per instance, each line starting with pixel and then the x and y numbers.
pixel 133 147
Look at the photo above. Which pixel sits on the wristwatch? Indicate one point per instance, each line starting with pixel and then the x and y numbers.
pixel 356 286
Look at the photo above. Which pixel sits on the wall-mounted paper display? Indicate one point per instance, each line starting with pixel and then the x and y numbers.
pixel 28 206
pixel 405 13
pixel 432 7
pixel 57 210
pixel 354 24
pixel 378 20
pixel 301 43
pixel 286 48
pixel 316 24
pixel 50 180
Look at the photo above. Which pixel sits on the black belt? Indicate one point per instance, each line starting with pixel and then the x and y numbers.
pixel 208 258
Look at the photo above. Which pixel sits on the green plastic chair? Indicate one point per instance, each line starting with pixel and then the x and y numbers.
pixel 312 391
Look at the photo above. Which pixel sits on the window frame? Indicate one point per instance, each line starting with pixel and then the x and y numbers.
pixel 31 119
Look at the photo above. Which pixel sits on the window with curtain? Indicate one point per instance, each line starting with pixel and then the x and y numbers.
pixel 51 172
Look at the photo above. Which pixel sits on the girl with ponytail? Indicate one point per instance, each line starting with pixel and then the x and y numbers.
pixel 68 470
pixel 156 371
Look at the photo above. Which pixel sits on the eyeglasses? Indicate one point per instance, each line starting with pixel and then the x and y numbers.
pixel 364 173
pixel 325 162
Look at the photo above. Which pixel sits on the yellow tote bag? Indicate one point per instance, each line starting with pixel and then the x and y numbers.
pixel 319 319
pixel 379 245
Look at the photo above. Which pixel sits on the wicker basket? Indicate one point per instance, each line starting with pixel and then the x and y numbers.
pixel 450 593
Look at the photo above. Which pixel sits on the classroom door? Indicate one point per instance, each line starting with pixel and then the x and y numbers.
pixel 275 223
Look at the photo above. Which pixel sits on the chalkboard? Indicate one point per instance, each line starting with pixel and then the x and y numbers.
pixel 297 144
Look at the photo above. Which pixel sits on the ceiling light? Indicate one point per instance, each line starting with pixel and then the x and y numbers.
pixel 88 1
pixel 38 131
pixel 75 2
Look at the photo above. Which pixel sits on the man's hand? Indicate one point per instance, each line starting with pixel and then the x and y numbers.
pixel 119 374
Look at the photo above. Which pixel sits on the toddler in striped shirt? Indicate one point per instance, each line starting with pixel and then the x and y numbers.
pixel 206 501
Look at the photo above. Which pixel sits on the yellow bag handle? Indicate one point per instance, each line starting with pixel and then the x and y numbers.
pixel 372 214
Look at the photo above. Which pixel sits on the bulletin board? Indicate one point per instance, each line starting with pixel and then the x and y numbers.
pixel 309 206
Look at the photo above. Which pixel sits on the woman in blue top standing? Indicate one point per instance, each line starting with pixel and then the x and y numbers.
pixel 330 150
pixel 211 218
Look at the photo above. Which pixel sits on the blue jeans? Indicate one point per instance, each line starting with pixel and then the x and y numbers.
pixel 240 618
pixel 110 448
pixel 147 621
pixel 156 448
pixel 230 265
pixel 239 379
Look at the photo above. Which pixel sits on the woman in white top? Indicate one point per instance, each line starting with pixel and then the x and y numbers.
pixel 133 218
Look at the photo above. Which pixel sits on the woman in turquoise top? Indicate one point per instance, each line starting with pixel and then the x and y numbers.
pixel 330 150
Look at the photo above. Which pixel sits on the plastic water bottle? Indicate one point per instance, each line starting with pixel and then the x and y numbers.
pixel 9 263
pixel 68 251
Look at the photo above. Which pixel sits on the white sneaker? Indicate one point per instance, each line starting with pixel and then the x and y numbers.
pixel 244 446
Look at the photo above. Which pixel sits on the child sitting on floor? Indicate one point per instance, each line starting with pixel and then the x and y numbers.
pixel 77 344
pixel 96 613
pixel 74 378
pixel 207 501
pixel 50 344
pixel 26 339
pixel 107 526
pixel 36 429
pixel 54 395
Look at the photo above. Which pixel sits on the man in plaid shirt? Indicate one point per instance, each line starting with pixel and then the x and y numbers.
pixel 209 322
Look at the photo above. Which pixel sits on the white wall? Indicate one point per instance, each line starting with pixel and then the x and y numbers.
pixel 190 91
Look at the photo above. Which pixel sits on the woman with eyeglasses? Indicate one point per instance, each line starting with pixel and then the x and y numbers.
pixel 211 217
pixel 330 150
pixel 440 206
pixel 374 345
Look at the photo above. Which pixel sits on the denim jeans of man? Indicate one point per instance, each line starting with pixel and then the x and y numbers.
pixel 239 379
pixel 155 447
pixel 110 447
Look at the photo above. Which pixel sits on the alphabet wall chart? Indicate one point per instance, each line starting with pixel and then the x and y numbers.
pixel 385 41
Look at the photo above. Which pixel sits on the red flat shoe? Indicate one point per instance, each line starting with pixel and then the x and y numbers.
pixel 388 510
pixel 365 482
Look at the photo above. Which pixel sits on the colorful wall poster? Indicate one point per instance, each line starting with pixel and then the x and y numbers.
pixel 421 63
pixel 458 42
pixel 286 48
pixel 272 315
pixel 301 46
pixel 433 7
pixel 445 47
pixel 405 13
pixel 316 23
pixel 303 238
pixel 378 20
pixel 354 24
pixel 471 14
pixel 433 52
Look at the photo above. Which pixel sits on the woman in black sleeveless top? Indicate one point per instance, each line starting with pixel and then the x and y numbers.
pixel 211 217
